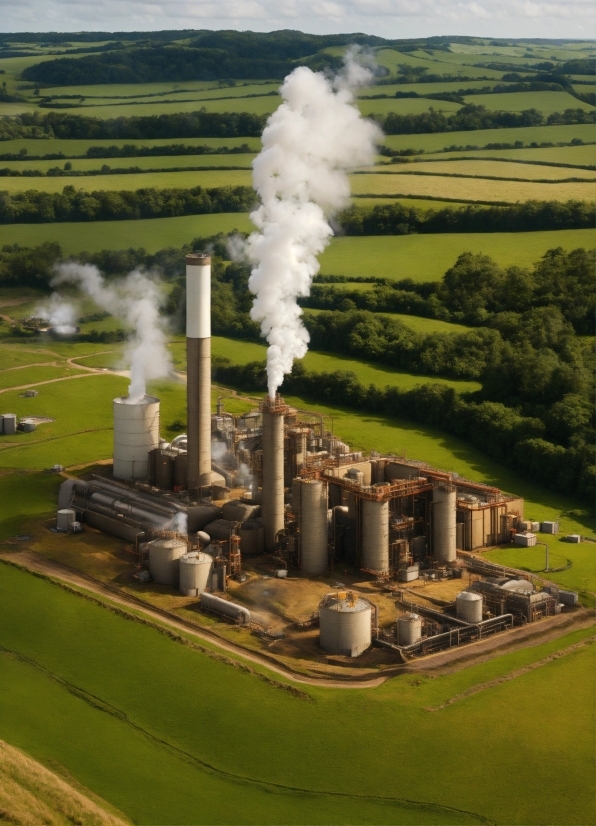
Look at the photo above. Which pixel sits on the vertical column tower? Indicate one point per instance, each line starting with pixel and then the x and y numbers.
pixel 273 411
pixel 198 369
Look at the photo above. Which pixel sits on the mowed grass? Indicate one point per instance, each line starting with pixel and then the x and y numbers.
pixel 152 163
pixel 77 148
pixel 133 92
pixel 31 375
pixel 143 180
pixel 427 257
pixel 392 60
pixel 150 233
pixel 545 102
pixel 467 189
pixel 405 106
pixel 223 742
pixel 242 352
pixel 256 106
pixel 496 169
pixel 575 155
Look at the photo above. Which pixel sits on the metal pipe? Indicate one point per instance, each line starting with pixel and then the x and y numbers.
pixel 273 469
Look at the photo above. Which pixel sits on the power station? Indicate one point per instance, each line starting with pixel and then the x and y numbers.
pixel 277 482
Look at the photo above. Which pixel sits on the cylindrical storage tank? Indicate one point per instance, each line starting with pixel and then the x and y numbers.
pixel 164 560
pixel 252 538
pixel 409 629
pixel 228 609
pixel 64 518
pixel 136 432
pixel 313 526
pixel 345 624
pixel 468 606
pixel 444 530
pixel 375 535
pixel 355 475
pixel 9 424
pixel 195 570
pixel 273 470
pixel 27 425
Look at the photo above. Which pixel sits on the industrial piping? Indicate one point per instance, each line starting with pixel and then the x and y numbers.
pixel 198 366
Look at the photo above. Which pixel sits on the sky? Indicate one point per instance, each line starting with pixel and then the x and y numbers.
pixel 387 18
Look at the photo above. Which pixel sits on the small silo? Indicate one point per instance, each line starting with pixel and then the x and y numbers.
pixel 409 629
pixel 345 624
pixel 27 425
pixel 444 529
pixel 195 570
pixel 375 535
pixel 164 560
pixel 136 432
pixel 468 606
pixel 9 424
pixel 64 518
pixel 313 525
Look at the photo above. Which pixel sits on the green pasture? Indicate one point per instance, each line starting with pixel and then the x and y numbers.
pixel 150 233
pixel 427 257
pixel 159 180
pixel 425 88
pixel 405 106
pixel 32 375
pixel 437 141
pixel 242 352
pixel 215 755
pixel 18 357
pixel 391 60
pixel 25 496
pixel 545 102
pixel 414 322
pixel 579 156
pixel 257 106
pixel 78 147
pixel 502 168
pixel 160 162
pixel 580 576
pixel 201 89
pixel 413 202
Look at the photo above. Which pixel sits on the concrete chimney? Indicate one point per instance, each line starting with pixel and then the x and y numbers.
pixel 273 411
pixel 198 370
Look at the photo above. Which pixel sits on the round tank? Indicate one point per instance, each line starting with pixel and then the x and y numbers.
pixel 136 432
pixel 345 624
pixel 313 526
pixel 468 606
pixel 9 424
pixel 195 568
pixel 164 560
pixel 355 475
pixel 409 629
pixel 64 518
pixel 375 535
pixel 27 425
pixel 444 529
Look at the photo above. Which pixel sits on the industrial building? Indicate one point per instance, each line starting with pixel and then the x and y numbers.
pixel 277 481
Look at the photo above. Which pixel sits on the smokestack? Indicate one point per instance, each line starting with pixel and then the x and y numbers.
pixel 273 468
pixel 198 367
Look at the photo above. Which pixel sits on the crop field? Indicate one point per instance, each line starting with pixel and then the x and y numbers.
pixel 77 148
pixel 495 169
pixel 545 102
pixel 426 89
pixel 256 105
pixel 579 156
pixel 391 60
pixel 416 203
pixel 405 106
pixel 427 257
pixel 201 89
pixel 159 162
pixel 465 189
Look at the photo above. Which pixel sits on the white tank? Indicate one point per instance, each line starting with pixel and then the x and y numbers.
pixel 164 560
pixel 375 535
pixel 64 518
pixel 313 526
pixel 195 568
pixel 444 529
pixel 468 606
pixel 227 609
pixel 136 432
pixel 409 629
pixel 345 624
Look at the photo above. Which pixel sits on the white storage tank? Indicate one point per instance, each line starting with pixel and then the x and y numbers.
pixel 345 624
pixel 195 570
pixel 444 529
pixel 468 606
pixel 313 526
pixel 375 535
pixel 27 426
pixel 227 609
pixel 136 432
pixel 65 518
pixel 526 540
pixel 534 527
pixel 164 560
pixel 549 527
pixel 409 629
pixel 9 424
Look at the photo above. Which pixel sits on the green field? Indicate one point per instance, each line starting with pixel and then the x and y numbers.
pixel 76 148
pixel 95 164
pixel 485 168
pixel 391 60
pixel 199 89
pixel 581 575
pixel 416 323
pixel 577 155
pixel 545 102
pixel 406 106
pixel 257 106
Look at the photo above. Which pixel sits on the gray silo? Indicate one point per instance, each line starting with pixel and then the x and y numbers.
pixel 444 529
pixel 9 424
pixel 273 469
pixel 195 569
pixel 136 432
pixel 409 629
pixel 64 518
pixel 375 535
pixel 164 560
pixel 313 525
pixel 468 606
pixel 345 624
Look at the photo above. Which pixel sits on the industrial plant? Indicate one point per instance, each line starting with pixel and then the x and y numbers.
pixel 276 483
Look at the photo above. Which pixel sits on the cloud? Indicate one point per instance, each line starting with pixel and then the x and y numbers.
pixel 389 18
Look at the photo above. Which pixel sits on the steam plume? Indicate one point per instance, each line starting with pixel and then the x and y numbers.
pixel 61 315
pixel 135 299
pixel 310 143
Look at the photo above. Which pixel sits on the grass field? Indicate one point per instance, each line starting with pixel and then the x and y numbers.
pixel 462 189
pixel 200 89
pixel 257 106
pixel 30 375
pixel 159 162
pixel 223 762
pixel 391 60
pixel 416 323
pixel 496 169
pixel 76 148
pixel 576 155
pixel 545 102
pixel 406 106
pixel 581 575
pixel 426 258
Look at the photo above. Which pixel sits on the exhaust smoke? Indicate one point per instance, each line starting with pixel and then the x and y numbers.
pixel 310 143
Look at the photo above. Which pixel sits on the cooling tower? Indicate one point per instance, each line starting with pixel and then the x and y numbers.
pixel 198 369
pixel 273 469
pixel 136 432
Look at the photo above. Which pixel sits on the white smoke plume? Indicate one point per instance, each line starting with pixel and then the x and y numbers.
pixel 60 313
pixel 310 143
pixel 136 300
